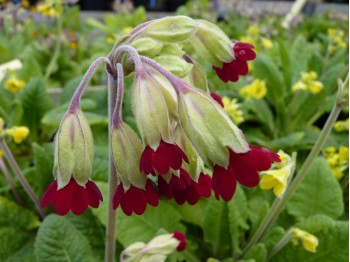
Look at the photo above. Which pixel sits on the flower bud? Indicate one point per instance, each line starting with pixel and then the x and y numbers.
pixel 153 103
pixel 310 242
pixel 212 43
pixel 126 152
pixel 209 128
pixel 172 49
pixel 174 65
pixel 73 149
pixel 147 46
pixel 172 29
pixel 197 76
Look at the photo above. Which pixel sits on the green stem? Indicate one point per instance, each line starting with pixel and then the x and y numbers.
pixel 21 178
pixel 112 178
pixel 57 51
pixel 4 114
pixel 9 180
pixel 285 240
pixel 279 204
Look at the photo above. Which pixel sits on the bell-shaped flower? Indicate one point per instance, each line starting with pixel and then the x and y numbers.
pixel 134 190
pixel 154 107
pixel 72 188
pixel 310 242
pixel 238 66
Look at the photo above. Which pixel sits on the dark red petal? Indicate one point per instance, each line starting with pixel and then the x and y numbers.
pixel 181 154
pixel 49 195
pixel 152 194
pixel 239 67
pixel 180 197
pixel 182 238
pixel 274 157
pixel 240 45
pixel 193 193
pixel 165 188
pixel 222 74
pixel 137 199
pixel 259 158
pixel 95 195
pixel 118 195
pixel 204 184
pixel 63 202
pixel 147 159
pixel 125 205
pixel 224 183
pixel 246 174
pixel 178 184
pixel 80 198
pixel 162 158
pixel 217 98
pixel 245 54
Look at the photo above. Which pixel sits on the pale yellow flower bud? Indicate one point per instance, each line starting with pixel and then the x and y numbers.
pixel 310 242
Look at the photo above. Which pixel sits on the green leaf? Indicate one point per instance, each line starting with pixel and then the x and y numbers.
pixel 315 223
pixel 13 215
pixel 31 67
pixel 25 254
pixel 90 226
pixel 319 193
pixel 266 69
pixel 291 140
pixel 300 53
pixel 36 102
pixel 192 213
pixel 258 253
pixel 333 246
pixel 215 223
pixel 16 114
pixel 286 64
pixel 263 112
pixel 58 240
pixel 238 216
pixel 11 240
pixel 143 228
pixel 273 237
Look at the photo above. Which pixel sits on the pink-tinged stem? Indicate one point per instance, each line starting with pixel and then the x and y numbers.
pixel 10 180
pixel 117 55
pixel 112 178
pixel 21 178
pixel 178 84
pixel 117 115
pixel 75 102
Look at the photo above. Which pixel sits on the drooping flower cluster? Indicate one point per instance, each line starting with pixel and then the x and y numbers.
pixel 308 82
pixel 338 160
pixel 182 128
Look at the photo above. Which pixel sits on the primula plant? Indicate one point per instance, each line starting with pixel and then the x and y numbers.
pixel 171 171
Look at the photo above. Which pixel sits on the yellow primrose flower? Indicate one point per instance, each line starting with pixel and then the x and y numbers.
pixel 308 82
pixel 257 89
pixel 341 126
pixel 253 30
pixel 18 133
pixel 49 10
pixel 232 108
pixel 1 153
pixel 14 85
pixel 310 242
pixel 126 30
pixel 338 160
pixel 73 44
pixel 266 43
pixel 337 37
pixel 277 177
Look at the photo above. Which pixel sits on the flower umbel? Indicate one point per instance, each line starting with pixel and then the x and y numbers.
pixel 308 82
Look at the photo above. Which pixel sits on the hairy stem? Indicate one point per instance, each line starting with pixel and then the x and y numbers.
pixel 117 117
pixel 21 178
pixel 112 178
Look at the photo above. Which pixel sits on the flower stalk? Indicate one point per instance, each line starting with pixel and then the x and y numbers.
pixel 21 178
pixel 9 180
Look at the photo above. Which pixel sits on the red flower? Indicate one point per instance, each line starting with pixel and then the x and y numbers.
pixel 231 71
pixel 242 168
pixel 135 199
pixel 217 98
pixel 165 157
pixel 184 189
pixel 182 238
pixel 71 197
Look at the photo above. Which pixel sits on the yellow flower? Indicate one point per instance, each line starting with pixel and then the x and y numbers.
pixel 257 89
pixel 126 30
pixel 338 160
pixel 250 67
pixel 266 43
pixel 49 10
pixel 310 242
pixel 232 108
pixel 341 126
pixel 337 39
pixel 14 85
pixel 308 82
pixel 1 153
pixel 18 133
pixel 73 44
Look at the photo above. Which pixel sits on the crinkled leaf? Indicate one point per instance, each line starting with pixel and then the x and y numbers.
pixel 273 237
pixel 257 252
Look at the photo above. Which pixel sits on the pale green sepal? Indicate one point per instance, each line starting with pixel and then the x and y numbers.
pixel 172 49
pixel 172 29
pixel 73 150
pixel 151 109
pixel 209 128
pixel 126 153
pixel 197 76
pixel 175 65
pixel 196 165
pixel 147 46
pixel 212 43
